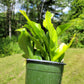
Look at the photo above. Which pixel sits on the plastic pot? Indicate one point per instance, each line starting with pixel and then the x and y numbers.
pixel 43 72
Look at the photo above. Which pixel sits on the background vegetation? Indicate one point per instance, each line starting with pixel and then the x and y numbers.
pixel 8 46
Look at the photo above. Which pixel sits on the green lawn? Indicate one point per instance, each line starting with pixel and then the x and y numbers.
pixel 12 69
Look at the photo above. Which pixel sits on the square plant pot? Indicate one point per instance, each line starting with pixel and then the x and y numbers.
pixel 43 72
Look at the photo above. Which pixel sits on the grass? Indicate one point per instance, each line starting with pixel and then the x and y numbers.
pixel 12 69
pixel 74 70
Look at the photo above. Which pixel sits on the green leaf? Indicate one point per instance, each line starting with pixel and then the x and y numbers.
pixel 35 28
pixel 61 57
pixel 61 28
pixel 37 32
pixel 29 28
pixel 46 44
pixel 24 14
pixel 37 52
pixel 62 48
pixel 25 42
pixel 39 46
pixel 52 32
pixel 36 57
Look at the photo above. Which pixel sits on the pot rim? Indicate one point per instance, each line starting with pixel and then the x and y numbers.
pixel 44 61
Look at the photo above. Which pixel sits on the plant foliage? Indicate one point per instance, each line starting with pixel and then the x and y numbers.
pixel 37 44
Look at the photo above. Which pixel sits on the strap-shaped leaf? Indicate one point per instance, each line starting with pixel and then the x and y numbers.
pixel 39 46
pixel 24 14
pixel 25 42
pixel 49 26
pixel 52 32
pixel 61 28
pixel 36 30
pixel 30 29
pixel 62 48
pixel 36 57
pixel 35 27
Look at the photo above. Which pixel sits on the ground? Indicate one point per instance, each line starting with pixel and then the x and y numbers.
pixel 12 68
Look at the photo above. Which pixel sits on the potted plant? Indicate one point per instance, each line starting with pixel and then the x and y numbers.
pixel 43 54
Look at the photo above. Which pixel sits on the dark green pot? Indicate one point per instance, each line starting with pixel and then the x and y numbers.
pixel 43 72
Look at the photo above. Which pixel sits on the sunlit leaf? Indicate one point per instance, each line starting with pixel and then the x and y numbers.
pixel 52 32
pixel 44 44
pixel 36 31
pixel 62 48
